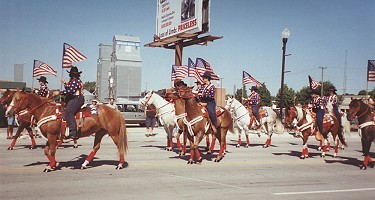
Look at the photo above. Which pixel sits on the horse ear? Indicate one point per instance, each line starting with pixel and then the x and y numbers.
pixel 351 98
pixel 152 91
pixel 23 89
pixel 191 87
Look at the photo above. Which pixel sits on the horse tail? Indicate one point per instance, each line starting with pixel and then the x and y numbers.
pixel 341 135
pixel 123 137
pixel 279 128
pixel 230 128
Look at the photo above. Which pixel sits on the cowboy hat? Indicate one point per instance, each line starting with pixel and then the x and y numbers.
pixel 207 75
pixel 254 88
pixel 42 79
pixel 332 88
pixel 74 70
pixel 95 100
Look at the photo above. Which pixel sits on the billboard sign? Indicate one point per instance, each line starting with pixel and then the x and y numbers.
pixel 174 17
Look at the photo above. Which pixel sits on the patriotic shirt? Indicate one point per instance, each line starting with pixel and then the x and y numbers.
pixel 332 99
pixel 254 99
pixel 317 103
pixel 43 91
pixel 206 93
pixel 73 87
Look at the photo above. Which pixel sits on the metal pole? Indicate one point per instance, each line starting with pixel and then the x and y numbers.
pixel 285 40
pixel 321 89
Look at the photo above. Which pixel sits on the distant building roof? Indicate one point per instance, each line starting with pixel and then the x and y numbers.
pixel 12 85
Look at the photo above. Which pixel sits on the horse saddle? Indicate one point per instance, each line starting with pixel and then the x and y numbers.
pixel 219 111
pixel 328 120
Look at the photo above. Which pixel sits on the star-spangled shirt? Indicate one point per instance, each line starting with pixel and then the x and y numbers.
pixel 43 91
pixel 332 99
pixel 74 87
pixel 206 92
pixel 254 99
pixel 317 103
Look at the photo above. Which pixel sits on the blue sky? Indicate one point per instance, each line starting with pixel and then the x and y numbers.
pixel 321 31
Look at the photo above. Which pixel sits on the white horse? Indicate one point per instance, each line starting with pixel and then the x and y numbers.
pixel 270 123
pixel 165 112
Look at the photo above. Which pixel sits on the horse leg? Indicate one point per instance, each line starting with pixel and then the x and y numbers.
pixel 169 130
pixel 32 138
pixel 191 160
pixel 183 152
pixel 98 138
pixel 178 143
pixel 305 151
pixel 324 148
pixel 268 141
pixel 320 145
pixel 50 152
pixel 222 145
pixel 337 143
pixel 196 144
pixel 366 144
pixel 247 140
pixel 207 142
pixel 16 136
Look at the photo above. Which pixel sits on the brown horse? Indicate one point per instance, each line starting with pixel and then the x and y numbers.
pixel 108 121
pixel 363 113
pixel 198 125
pixel 24 120
pixel 305 124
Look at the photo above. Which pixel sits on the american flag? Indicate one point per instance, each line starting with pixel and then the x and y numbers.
pixel 179 72
pixel 247 79
pixel 200 63
pixel 193 71
pixel 314 84
pixel 41 68
pixel 70 55
pixel 371 70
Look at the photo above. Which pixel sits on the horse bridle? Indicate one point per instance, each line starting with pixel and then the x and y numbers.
pixel 31 111
pixel 357 110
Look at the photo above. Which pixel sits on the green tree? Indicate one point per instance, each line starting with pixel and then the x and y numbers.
pixel 89 86
pixel 238 94
pixel 303 96
pixel 265 96
pixel 288 96
pixel 362 92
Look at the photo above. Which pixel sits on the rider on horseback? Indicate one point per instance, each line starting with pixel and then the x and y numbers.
pixel 254 102
pixel 318 106
pixel 43 90
pixel 206 94
pixel 74 99
pixel 332 98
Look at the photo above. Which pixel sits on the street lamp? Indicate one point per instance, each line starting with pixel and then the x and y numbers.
pixel 285 35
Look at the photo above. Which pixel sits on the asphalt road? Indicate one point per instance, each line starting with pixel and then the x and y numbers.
pixel 153 173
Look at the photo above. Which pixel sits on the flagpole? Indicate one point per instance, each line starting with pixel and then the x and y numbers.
pixel 62 69
pixel 32 80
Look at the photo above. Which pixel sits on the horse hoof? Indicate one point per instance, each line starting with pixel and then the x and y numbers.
pixel 302 157
pixel 265 146
pixel 32 147
pixel 190 162
pixel 209 152
pixel 247 146
pixel 322 156
pixel 83 167
pixel 218 159
pixel 47 169
pixel 119 166
pixel 207 148
pixel 181 154
pixel 168 148
pixel 75 146
pixel 10 148
pixel 319 149
pixel 237 146
pixel 199 160
pixel 363 167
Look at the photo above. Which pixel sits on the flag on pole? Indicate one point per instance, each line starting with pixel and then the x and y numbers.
pixel 314 85
pixel 201 63
pixel 193 71
pixel 40 68
pixel 179 72
pixel 371 70
pixel 70 55
pixel 247 79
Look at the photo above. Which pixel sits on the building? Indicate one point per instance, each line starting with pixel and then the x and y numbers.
pixel 346 99
pixel 119 69
pixel 18 72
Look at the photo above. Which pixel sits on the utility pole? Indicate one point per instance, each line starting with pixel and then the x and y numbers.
pixel 321 89
pixel 345 69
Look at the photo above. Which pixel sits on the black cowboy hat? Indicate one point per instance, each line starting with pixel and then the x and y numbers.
pixel 317 92
pixel 207 75
pixel 42 79
pixel 332 88
pixel 74 70
pixel 254 88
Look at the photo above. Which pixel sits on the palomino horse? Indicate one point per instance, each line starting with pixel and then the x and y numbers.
pixel 198 125
pixel 366 128
pixel 305 124
pixel 270 123
pixel 24 120
pixel 166 113
pixel 46 113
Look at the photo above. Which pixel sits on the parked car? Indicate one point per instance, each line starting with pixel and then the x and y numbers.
pixel 133 113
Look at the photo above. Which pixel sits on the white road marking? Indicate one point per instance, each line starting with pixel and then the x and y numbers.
pixel 209 182
pixel 324 191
